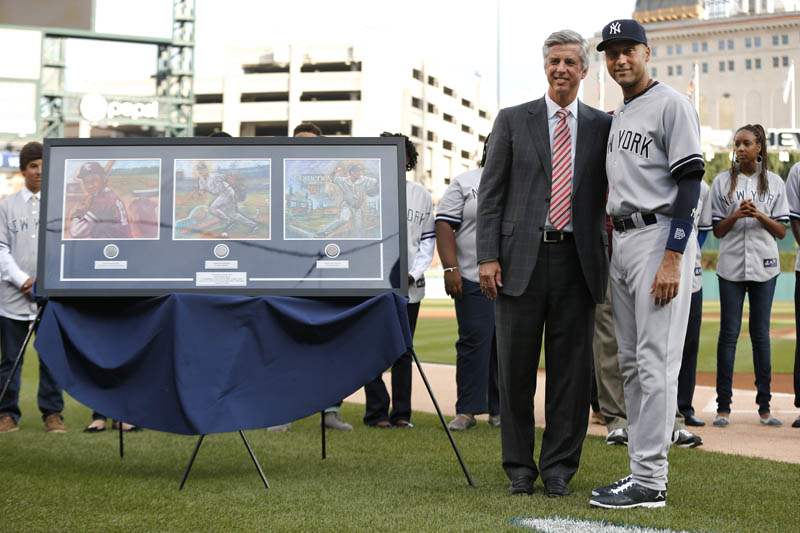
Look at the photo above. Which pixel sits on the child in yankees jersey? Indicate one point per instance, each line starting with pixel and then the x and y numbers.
pixel 749 210
pixel 103 215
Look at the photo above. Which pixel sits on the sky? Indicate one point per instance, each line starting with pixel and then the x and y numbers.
pixel 460 35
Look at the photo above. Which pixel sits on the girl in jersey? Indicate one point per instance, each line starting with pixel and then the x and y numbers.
pixel 749 210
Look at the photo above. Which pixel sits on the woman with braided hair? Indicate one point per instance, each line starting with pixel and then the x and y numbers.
pixel 749 212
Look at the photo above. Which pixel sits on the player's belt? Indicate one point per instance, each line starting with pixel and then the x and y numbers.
pixel 636 220
pixel 551 235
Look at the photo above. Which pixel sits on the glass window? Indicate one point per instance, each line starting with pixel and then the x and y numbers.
pixel 748 42
pixel 748 64
pixel 669 70
pixel 669 49
pixel 757 41
pixel 705 46
pixel 784 39
pixel 730 44
pixel 695 47
pixel 654 51
pixel 679 49
pixel 785 61
pixel 654 72
pixel 775 40
pixel 679 70
pixel 704 68
pixel 758 63
pixel 722 66
pixel 730 66
pixel 721 44
pixel 776 62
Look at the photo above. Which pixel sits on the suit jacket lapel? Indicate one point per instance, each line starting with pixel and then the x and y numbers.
pixel 585 140
pixel 540 133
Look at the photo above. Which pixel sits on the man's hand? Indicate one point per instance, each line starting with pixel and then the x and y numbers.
pixel 27 287
pixel 668 277
pixel 490 278
pixel 452 284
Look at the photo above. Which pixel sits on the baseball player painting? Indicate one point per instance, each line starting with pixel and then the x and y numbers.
pixel 103 215
pixel 749 210
pixel 654 167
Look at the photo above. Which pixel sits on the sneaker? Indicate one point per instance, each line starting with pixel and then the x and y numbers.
pixel 54 423
pixel 494 421
pixel 686 439
pixel 404 424
pixel 630 495
pixel 334 421
pixel 600 491
pixel 8 424
pixel 618 436
pixel 721 421
pixel 282 428
pixel 796 423
pixel 770 420
pixel 461 422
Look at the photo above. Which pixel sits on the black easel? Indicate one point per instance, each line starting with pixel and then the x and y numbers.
pixel 32 327
pixel 249 451
pixel 438 412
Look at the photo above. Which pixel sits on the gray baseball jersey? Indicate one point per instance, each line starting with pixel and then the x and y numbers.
pixel 19 230
pixel 748 252
pixel 651 136
pixel 702 222
pixel 421 237
pixel 459 207
pixel 793 198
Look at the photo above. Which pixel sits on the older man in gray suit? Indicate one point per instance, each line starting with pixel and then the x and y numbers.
pixel 542 253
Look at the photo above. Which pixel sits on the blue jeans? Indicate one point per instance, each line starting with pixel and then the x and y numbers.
pixel 476 353
pixel 731 298
pixel 12 335
pixel 691 345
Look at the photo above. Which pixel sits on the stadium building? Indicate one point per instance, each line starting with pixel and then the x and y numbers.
pixel 735 58
pixel 348 90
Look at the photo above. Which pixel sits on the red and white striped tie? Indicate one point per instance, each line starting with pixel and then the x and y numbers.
pixel 561 188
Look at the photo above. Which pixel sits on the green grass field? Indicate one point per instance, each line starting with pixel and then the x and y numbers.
pixel 435 338
pixel 373 480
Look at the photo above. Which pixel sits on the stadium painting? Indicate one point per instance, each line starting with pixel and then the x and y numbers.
pixel 332 199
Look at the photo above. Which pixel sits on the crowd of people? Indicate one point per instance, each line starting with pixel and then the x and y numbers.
pixel 581 230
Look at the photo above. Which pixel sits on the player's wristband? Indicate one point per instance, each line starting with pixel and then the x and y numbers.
pixel 679 232
pixel 450 269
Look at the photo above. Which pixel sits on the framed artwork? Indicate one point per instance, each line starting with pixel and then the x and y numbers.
pixel 273 215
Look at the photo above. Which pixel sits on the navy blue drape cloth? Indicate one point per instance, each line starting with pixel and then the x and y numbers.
pixel 196 364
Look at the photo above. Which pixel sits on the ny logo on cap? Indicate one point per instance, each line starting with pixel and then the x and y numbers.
pixel 614 28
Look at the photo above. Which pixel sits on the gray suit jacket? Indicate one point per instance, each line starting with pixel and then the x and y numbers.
pixel 515 193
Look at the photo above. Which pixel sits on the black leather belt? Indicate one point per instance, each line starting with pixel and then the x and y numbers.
pixel 630 222
pixel 551 235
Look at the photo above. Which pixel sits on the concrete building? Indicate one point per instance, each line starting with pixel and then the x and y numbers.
pixel 737 54
pixel 348 90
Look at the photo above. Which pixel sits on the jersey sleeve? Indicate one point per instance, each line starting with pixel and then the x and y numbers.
pixel 793 192
pixel 682 136
pixel 451 205
pixel 704 222
pixel 780 208
pixel 718 208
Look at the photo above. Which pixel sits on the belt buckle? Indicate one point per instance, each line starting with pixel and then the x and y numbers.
pixel 546 239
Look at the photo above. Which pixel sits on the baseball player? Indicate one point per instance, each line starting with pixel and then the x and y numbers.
pixel 793 196
pixel 103 216
pixel 749 209
pixel 354 188
pixel 225 205
pixel 654 168
pixel 691 345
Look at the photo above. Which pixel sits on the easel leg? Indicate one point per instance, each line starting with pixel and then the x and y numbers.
pixel 191 461
pixel 34 325
pixel 322 431
pixel 121 441
pixel 441 419
pixel 255 461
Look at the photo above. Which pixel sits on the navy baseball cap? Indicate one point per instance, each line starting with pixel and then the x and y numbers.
pixel 622 30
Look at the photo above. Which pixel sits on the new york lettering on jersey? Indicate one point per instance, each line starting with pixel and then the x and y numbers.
pixel 632 141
